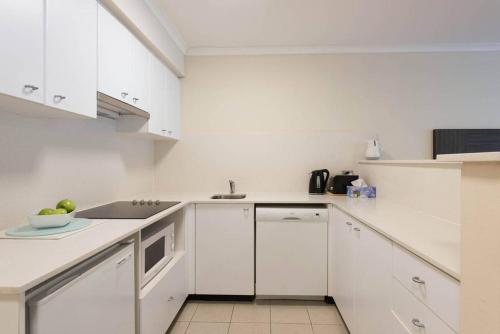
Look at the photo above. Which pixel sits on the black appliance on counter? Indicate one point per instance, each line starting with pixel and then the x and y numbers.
pixel 317 182
pixel 126 210
pixel 338 184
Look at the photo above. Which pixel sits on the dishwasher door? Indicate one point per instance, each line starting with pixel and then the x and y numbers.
pixel 96 296
pixel 291 251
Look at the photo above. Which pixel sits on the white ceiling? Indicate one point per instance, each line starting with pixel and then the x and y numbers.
pixel 274 26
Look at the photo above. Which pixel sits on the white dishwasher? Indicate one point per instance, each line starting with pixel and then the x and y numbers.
pixel 291 250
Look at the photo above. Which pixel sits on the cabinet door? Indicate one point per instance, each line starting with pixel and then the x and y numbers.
pixel 139 80
pixel 373 281
pixel 225 249
pixel 172 121
pixel 21 59
pixel 158 96
pixel 71 56
pixel 114 57
pixel 343 274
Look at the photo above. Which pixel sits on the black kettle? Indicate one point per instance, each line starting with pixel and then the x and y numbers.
pixel 317 183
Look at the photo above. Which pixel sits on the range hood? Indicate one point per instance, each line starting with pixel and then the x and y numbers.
pixel 110 107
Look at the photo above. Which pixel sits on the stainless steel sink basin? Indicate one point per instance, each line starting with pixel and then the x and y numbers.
pixel 228 196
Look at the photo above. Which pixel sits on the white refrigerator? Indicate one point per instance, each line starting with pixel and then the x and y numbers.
pixel 96 296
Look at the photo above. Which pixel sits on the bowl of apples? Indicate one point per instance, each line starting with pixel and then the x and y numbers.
pixel 51 218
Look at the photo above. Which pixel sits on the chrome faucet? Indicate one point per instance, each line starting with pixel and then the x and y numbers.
pixel 232 186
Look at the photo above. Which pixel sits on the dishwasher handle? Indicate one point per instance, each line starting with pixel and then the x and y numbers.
pixel 291 218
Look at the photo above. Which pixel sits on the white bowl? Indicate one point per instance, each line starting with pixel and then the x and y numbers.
pixel 47 221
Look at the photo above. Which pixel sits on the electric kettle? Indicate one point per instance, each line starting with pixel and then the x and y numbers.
pixel 317 183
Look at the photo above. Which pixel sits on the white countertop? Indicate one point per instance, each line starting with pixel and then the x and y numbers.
pixel 26 263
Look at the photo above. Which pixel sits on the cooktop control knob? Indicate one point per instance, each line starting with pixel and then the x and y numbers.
pixel 157 202
pixel 134 202
pixel 150 202
pixel 142 202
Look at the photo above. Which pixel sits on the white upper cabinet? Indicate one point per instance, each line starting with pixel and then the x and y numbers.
pixel 71 56
pixel 21 58
pixel 159 96
pixel 123 62
pixel 173 115
pixel 114 57
pixel 139 75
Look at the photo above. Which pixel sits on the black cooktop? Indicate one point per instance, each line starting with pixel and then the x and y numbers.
pixel 126 210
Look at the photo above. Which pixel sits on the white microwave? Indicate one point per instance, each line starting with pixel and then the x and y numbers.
pixel 157 248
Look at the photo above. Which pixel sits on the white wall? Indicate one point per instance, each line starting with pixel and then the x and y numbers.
pixel 266 121
pixel 44 160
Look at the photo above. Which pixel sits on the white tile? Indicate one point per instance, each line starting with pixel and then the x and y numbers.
pixel 207 328
pixel 249 328
pixel 251 313
pixel 187 311
pixel 324 315
pixel 289 314
pixel 178 327
pixel 213 312
pixel 329 329
pixel 291 329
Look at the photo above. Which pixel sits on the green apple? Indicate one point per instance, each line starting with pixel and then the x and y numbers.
pixel 66 204
pixel 46 211
pixel 60 211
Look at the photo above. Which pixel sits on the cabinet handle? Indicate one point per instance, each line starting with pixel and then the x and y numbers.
pixel 348 223
pixel 417 280
pixel 135 99
pixel 356 229
pixel 124 94
pixel 58 98
pixel 169 132
pixel 417 323
pixel 30 88
pixel 171 298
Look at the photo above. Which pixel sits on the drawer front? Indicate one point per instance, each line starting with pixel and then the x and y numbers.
pixel 160 305
pixel 416 317
pixel 177 289
pixel 435 289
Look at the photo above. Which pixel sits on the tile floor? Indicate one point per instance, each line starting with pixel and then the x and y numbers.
pixel 258 317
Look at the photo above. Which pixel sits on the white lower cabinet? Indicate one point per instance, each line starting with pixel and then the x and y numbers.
pixel 343 273
pixel 373 277
pixel 163 297
pixel 416 316
pixel 362 276
pixel 225 249
pixel 435 289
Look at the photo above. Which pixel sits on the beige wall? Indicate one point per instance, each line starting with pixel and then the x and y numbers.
pixel 44 160
pixel 266 121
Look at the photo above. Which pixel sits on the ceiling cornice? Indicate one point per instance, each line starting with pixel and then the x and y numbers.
pixel 330 49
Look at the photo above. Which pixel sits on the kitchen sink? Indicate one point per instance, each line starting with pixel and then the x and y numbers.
pixel 229 196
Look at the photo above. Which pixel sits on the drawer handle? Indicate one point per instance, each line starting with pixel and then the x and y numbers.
pixel 30 88
pixel 356 229
pixel 170 298
pixel 417 280
pixel 417 323
pixel 58 98
pixel 348 223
